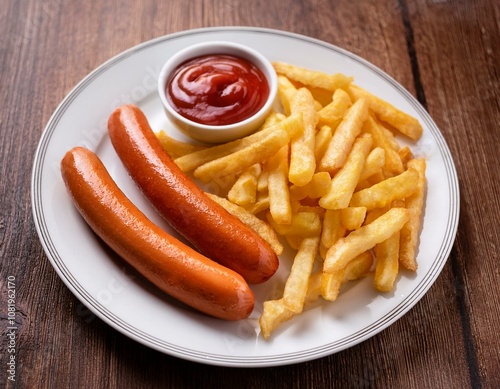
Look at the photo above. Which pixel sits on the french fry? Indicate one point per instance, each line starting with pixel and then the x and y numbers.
pixel 411 230
pixel 294 241
pixel 295 206
pixel 344 136
pixel 303 224
pixel 296 285
pixel 247 156
pixel 260 205
pixel 318 283
pixel 313 78
pixel 333 228
pixel 291 124
pixel 314 288
pixel 364 238
pixel 344 182
pixel 333 113
pixel 275 312
pixel 375 179
pixel 389 135
pixel 220 185
pixel 321 141
pixel 317 187
pixel 273 119
pixel 302 159
pixel 279 195
pixel 244 190
pixel 375 213
pixel 357 268
pixel 262 182
pixel 252 221
pixel 322 250
pixel 353 217
pixel 383 193
pixel 286 91
pixel 393 163
pixel 374 163
pixel 311 208
pixel 386 112
pixel 405 154
pixel 331 283
pixel 387 266
pixel 322 97
pixel 174 147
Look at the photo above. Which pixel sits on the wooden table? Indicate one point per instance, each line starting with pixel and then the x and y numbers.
pixel 446 53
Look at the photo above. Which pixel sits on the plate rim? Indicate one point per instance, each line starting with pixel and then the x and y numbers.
pixel 231 360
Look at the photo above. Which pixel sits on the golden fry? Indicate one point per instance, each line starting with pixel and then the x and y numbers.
pixel 333 113
pixel 344 182
pixel 286 91
pixel 387 266
pixel 386 112
pixel 274 314
pixel 322 97
pixel 303 224
pixel 331 283
pixel 353 217
pixel 193 160
pixel 344 136
pixel 279 195
pixel 252 221
pixel 262 182
pixel 260 205
pixel 374 163
pixel 392 163
pixel 357 268
pixel 312 78
pixel 245 157
pixel 375 213
pixel 383 193
pixel 296 285
pixel 333 228
pixel 294 241
pixel 176 148
pixel 244 190
pixel 364 238
pixel 317 187
pixel 302 159
pixel 321 142
pixel 310 208
pixel 405 154
pixel 411 230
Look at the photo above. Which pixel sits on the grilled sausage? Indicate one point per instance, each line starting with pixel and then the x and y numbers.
pixel 171 265
pixel 204 223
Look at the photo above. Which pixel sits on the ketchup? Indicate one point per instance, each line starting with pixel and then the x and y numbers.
pixel 217 89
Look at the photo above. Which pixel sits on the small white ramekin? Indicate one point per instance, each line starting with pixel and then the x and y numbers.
pixel 213 133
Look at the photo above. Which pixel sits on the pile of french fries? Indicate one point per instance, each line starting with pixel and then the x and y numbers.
pixel 326 175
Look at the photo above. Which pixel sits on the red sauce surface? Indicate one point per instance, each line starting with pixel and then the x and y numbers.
pixel 217 89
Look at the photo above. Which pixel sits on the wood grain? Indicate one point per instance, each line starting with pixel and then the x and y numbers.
pixel 446 53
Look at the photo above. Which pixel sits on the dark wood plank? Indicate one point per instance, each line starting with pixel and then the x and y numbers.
pixel 457 45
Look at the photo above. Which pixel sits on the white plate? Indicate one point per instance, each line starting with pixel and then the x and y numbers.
pixel 124 300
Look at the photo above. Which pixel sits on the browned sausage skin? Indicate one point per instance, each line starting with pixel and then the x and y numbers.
pixel 172 266
pixel 209 227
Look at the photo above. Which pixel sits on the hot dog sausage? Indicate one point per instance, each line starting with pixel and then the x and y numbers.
pixel 209 227
pixel 174 267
